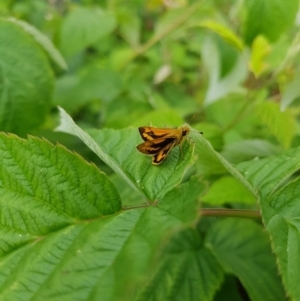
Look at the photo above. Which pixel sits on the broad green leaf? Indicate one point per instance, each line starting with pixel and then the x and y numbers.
pixel 246 150
pixel 280 209
pixel 228 190
pixel 103 258
pixel 268 174
pixel 94 24
pixel 260 49
pixel 45 189
pixel 268 18
pixel 246 253
pixel 224 32
pixel 188 271
pixel 26 81
pixel 281 124
pixel 62 232
pixel 220 87
pixel 117 149
pixel 43 40
pixel 282 221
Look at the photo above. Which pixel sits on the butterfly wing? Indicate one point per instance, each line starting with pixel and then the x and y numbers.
pixel 153 147
pixel 151 133
pixel 162 154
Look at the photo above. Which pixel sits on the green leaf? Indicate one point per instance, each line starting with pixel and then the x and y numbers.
pixel 26 81
pixel 280 209
pixel 117 149
pixel 281 124
pixel 188 272
pixel 94 24
pixel 268 18
pixel 46 188
pixel 247 255
pixel 212 162
pixel 260 49
pixel 228 190
pixel 283 224
pixel 43 40
pixel 224 32
pixel 61 232
pixel 268 174
pixel 182 201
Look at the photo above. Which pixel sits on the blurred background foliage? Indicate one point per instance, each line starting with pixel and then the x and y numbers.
pixel 229 68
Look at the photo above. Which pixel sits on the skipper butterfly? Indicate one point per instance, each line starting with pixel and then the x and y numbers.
pixel 159 141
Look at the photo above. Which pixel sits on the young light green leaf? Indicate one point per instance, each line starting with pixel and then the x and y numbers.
pixel 189 271
pixel 260 49
pixel 224 32
pixel 26 81
pixel 246 254
pixel 281 124
pixel 228 190
pixel 160 118
pixel 118 150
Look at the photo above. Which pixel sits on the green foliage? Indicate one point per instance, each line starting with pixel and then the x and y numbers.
pixel 122 228
pixel 26 81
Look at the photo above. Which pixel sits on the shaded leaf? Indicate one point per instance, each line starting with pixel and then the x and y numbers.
pixel 94 24
pixel 189 271
pixel 246 254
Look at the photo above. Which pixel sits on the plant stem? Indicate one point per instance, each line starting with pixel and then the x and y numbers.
pixel 156 38
pixel 213 212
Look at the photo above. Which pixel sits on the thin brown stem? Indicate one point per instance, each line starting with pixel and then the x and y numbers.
pixel 213 212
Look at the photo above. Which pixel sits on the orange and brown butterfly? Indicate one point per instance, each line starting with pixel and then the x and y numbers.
pixel 158 142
